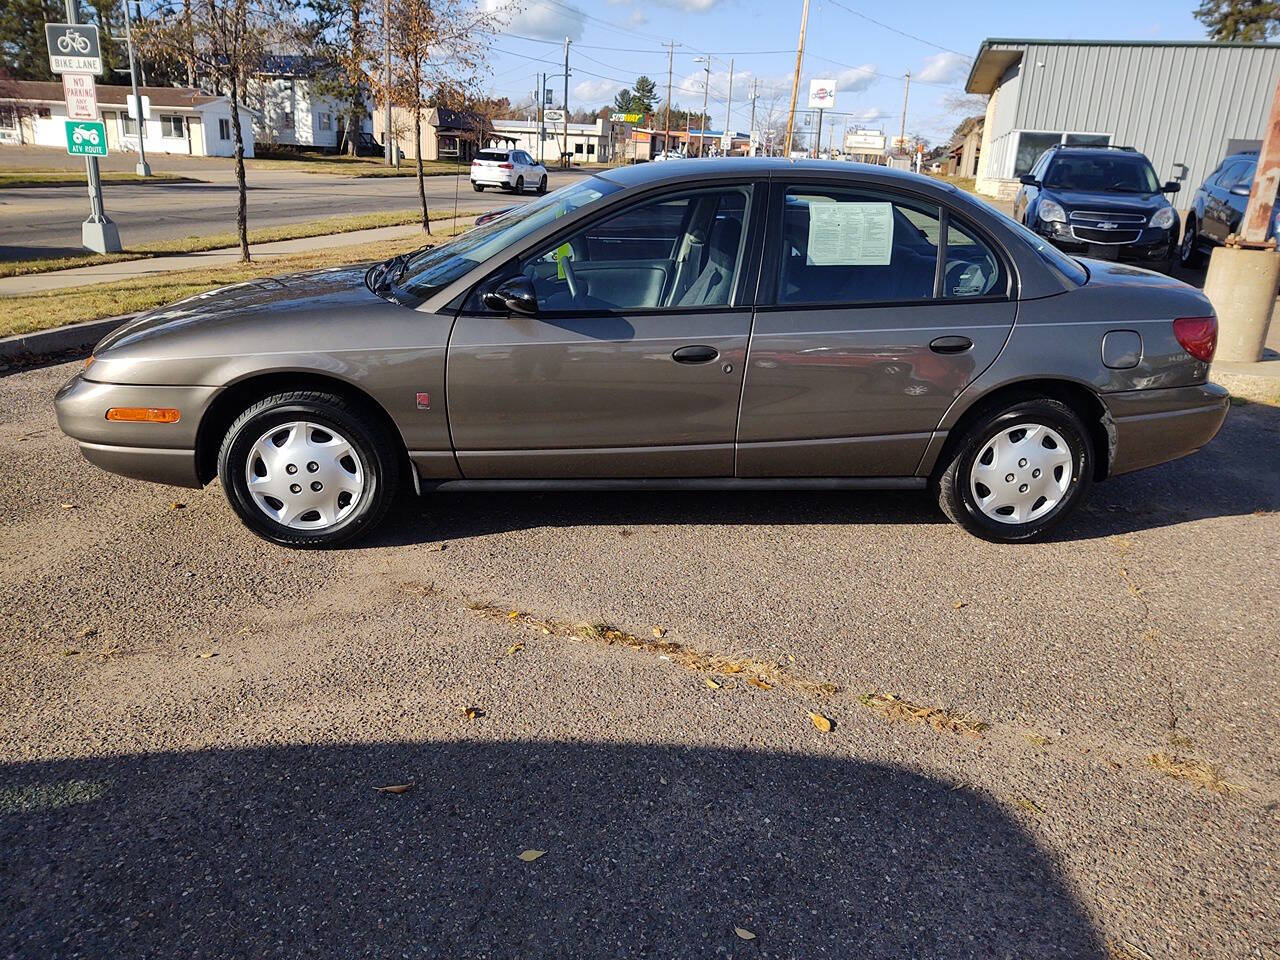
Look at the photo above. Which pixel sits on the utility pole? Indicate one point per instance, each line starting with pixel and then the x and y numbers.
pixel 564 159
pixel 902 139
pixel 540 93
pixel 386 133
pixel 671 53
pixel 795 83
pixel 143 168
pixel 728 104
pixel 752 129
pixel 99 233
pixel 702 120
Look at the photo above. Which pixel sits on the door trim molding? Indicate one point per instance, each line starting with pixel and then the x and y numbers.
pixel 678 483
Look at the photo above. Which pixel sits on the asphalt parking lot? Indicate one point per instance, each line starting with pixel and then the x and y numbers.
pixel 193 722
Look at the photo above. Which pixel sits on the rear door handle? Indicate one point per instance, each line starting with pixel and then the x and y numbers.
pixel 696 353
pixel 951 345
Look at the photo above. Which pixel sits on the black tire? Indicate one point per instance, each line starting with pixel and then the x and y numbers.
pixel 542 184
pixel 1189 253
pixel 377 452
pixel 519 184
pixel 952 482
pixel 478 187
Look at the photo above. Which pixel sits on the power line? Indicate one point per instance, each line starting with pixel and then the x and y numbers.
pixel 901 33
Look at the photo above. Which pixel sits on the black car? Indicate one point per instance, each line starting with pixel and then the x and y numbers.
pixel 1218 207
pixel 1100 202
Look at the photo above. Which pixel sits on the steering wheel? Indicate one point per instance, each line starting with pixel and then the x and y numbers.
pixel 570 277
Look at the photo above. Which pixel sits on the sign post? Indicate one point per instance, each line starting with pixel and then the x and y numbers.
pixel 143 168
pixel 822 95
pixel 73 48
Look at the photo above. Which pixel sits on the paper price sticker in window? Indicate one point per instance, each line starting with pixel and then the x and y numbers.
pixel 850 234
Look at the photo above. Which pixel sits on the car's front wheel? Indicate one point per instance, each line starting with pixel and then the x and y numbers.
pixel 1189 254
pixel 308 469
pixel 478 187
pixel 519 184
pixel 542 184
pixel 1017 472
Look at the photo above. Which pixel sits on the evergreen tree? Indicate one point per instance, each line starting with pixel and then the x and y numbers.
pixel 644 95
pixel 624 101
pixel 1239 21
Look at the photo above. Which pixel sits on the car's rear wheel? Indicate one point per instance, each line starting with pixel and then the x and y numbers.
pixel 1189 254
pixel 542 184
pixel 308 469
pixel 1017 472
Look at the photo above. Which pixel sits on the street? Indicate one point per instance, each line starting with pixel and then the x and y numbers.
pixel 45 221
pixel 193 722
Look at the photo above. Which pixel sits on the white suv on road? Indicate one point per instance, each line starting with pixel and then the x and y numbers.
pixel 508 169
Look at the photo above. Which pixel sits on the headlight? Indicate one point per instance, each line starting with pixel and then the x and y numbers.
pixel 1051 212
pixel 1164 218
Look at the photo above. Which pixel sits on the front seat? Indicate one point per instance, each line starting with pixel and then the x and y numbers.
pixel 714 284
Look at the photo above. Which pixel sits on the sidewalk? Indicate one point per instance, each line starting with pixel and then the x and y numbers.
pixel 126 269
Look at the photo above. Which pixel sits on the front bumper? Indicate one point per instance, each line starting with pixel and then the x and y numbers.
pixel 1152 244
pixel 160 452
pixel 1154 426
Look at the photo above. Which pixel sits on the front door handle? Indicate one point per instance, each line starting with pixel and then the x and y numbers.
pixel 697 353
pixel 951 345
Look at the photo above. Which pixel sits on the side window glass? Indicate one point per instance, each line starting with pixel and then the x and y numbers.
pixel 1229 173
pixel 681 251
pixel 848 246
pixel 1243 177
pixel 973 269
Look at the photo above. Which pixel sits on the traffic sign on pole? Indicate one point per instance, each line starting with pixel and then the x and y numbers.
pixel 81 95
pixel 86 138
pixel 73 48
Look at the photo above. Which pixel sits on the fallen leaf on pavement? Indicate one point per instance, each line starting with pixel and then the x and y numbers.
pixel 472 713
pixel 762 684
pixel 177 506
pixel 659 632
pixel 437 548
pixel 823 723
pixel 68 506
pixel 515 648
pixel 744 934
pixel 206 656
pixel 958 604
pixel 713 684
pixel 514 614
pixel 528 856
pixel 395 788
pixel 86 633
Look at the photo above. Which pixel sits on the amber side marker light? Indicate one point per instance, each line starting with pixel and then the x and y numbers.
pixel 144 414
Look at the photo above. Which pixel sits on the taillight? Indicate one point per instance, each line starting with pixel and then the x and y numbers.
pixel 1198 336
pixel 505 166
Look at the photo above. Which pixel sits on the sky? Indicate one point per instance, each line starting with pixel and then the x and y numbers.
pixel 866 46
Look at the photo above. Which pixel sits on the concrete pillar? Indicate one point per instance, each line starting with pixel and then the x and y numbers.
pixel 1241 284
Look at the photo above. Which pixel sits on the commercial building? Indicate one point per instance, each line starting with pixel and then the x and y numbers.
pixel 1180 103
pixel 182 120
pixel 445 134
pixel 588 142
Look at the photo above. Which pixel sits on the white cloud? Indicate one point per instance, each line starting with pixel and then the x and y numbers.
pixel 944 68
pixel 868 115
pixel 637 18
pixel 591 93
pixel 854 80
pixel 537 18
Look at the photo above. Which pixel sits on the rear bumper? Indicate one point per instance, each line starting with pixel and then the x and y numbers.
pixel 494 179
pixel 1155 426
pixel 160 452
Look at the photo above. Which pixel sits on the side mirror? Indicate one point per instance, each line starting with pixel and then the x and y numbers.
pixel 515 295
pixel 1028 180
pixel 1240 190
pixel 1171 186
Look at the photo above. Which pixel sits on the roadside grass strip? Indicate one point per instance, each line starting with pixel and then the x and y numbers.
pixel 894 707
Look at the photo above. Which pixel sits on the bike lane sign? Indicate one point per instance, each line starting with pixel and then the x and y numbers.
pixel 86 138
pixel 73 48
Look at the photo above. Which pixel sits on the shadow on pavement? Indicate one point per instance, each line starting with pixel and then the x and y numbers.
pixel 650 851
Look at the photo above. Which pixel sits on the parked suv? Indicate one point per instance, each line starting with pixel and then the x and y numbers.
pixel 1100 202
pixel 507 169
pixel 1218 208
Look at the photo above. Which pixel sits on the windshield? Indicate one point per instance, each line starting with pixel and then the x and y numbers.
pixel 1067 268
pixel 429 270
pixel 1118 173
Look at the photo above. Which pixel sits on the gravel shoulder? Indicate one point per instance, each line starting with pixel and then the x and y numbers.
pixel 193 722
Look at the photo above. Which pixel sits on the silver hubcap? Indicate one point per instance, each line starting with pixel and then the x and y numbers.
pixel 1188 242
pixel 1021 474
pixel 304 475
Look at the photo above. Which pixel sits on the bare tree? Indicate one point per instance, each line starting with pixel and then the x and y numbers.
pixel 225 41
pixel 436 49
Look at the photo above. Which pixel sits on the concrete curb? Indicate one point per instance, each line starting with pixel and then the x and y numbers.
pixel 75 336
pixel 1260 388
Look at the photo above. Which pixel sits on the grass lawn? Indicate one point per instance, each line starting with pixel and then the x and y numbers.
pixel 967 184
pixel 217 241
pixel 344 166
pixel 68 178
pixel 79 304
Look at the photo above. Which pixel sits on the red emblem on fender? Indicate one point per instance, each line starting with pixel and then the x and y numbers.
pixel 424 401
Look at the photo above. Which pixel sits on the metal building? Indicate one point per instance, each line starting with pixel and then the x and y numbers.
pixel 1180 103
